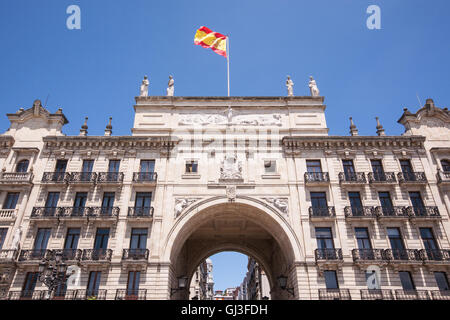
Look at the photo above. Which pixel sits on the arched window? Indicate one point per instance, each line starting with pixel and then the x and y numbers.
pixel 22 166
pixel 445 165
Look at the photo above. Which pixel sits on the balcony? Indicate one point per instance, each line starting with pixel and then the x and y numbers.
pixel 423 213
pixel 96 255
pixel 44 213
pixel 334 294
pixel 145 178
pixel 27 295
pixel 140 212
pixel 440 294
pixel 443 177
pixel 16 178
pixel 34 255
pixel 359 213
pixel 83 294
pixel 110 178
pixel 382 178
pixel 135 254
pixel 415 178
pixel 55 177
pixel 368 256
pixel 402 256
pixel 376 294
pixel 8 215
pixel 435 256
pixel 321 213
pixel 74 213
pixel 352 178
pixel 411 295
pixel 129 294
pixel 82 178
pixel 8 256
pixel 391 213
pixel 317 178
pixel 328 254
pixel 69 254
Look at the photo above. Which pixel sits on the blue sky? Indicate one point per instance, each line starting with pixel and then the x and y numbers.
pixel 96 71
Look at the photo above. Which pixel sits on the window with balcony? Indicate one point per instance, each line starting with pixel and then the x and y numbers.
pixel 362 238
pixel 133 285
pixel 417 203
pixel 319 200
pixel 142 203
pixel 429 242
pixel 138 238
pixel 331 281
pixel 3 232
pixel 41 240
pixel 355 203
pixel 192 166
pixel 386 202
pixel 313 166
pixel 108 202
pixel 79 203
pixel 147 166
pixel 377 169
pixel 93 283
pixel 396 242
pixel 445 165
pixel 442 281
pixel 324 238
pixel 86 170
pixel 72 238
pixel 61 166
pixel 406 167
pixel 51 203
pixel 270 166
pixel 101 239
pixel 29 285
pixel 349 169
pixel 406 281
pixel 22 166
pixel 11 200
pixel 113 166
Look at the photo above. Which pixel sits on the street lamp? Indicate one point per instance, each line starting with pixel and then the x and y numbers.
pixel 52 272
pixel 282 282
pixel 181 285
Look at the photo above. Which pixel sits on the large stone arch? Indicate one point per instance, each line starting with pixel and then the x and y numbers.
pixel 247 225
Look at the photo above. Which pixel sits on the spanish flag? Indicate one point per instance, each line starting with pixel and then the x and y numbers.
pixel 209 39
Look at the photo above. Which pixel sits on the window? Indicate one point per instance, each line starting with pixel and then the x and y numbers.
pixel 356 203
pixel 348 166
pixel 72 237
pixel 445 165
pixel 191 166
pixel 138 238
pixel 442 281
pixel 42 237
pixel 87 166
pixel 114 166
pixel 396 242
pixel 331 281
pixel 51 203
pixel 417 203
pixel 362 237
pixel 270 166
pixel 407 281
pixel 93 283
pixel 428 239
pixel 133 284
pixel 22 166
pixel 29 284
pixel 147 166
pixel 108 203
pixel 101 238
pixel 79 203
pixel 61 166
pixel 377 170
pixel 386 203
pixel 324 238
pixel 11 200
pixel 313 166
pixel 319 200
pixel 143 203
pixel 3 232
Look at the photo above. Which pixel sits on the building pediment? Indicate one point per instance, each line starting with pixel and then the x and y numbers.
pixel 37 111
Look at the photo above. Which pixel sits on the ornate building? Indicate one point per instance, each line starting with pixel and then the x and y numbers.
pixel 327 217
pixel 256 283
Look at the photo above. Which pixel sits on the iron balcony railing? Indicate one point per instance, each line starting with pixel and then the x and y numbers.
pixel 8 255
pixel 440 294
pixel 435 254
pixel 83 294
pixel 110 177
pixel 317 177
pixel 376 294
pixel 145 177
pixel 55 177
pixel 360 212
pixel 140 212
pixel 401 294
pixel 27 295
pixel 415 177
pixel 131 294
pixel 334 294
pixel 328 254
pixel 315 212
pixel 352 177
pixel 443 176
pixel 135 254
pixel 402 254
pixel 381 177
pixel 35 254
pixel 74 212
pixel 82 177
pixel 391 212
pixel 96 255
pixel 368 255
pixel 16 177
pixel 423 212
pixel 69 254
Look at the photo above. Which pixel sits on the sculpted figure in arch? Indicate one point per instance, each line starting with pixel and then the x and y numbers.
pixel 231 168
pixel 313 87
pixel 144 87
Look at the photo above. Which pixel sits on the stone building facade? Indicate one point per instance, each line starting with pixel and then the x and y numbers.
pixel 256 283
pixel 327 217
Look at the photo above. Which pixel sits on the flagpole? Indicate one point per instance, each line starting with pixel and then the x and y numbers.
pixel 228 65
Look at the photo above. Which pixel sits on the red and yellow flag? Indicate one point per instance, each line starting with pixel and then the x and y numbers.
pixel 209 39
